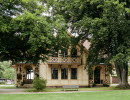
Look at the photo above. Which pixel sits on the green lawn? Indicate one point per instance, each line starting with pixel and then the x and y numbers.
pixel 7 87
pixel 61 89
pixel 102 95
pixel 81 89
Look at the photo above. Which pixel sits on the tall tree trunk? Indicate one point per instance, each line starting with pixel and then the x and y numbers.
pixel 122 74
pixel 118 74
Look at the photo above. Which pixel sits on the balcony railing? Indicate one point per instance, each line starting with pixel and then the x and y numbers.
pixel 64 60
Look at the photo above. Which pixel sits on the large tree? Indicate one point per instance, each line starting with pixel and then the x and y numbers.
pixel 105 23
pixel 27 31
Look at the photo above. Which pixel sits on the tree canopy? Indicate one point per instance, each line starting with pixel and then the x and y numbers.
pixel 105 23
pixel 27 31
pixel 30 29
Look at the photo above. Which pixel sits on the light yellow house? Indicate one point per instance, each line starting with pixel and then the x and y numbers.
pixel 64 68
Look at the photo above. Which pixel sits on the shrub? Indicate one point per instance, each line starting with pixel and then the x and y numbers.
pixel 39 84
pixel 105 85
pixel 2 82
pixel 94 84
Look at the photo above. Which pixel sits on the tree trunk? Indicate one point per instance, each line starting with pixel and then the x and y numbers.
pixel 122 74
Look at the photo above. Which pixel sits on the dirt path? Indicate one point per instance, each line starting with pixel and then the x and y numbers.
pixel 11 91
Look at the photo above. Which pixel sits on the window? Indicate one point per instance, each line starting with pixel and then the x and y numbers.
pixel 73 73
pixel 64 73
pixel 54 73
pixel 54 53
pixel 64 52
pixel 73 52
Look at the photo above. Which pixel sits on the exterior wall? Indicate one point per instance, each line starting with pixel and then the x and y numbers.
pixel 44 70
pixel 82 76
pixel 15 77
pixel 114 80
pixel 104 74
pixel 129 79
pixel 20 69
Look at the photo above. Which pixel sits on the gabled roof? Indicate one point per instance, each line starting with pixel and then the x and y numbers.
pixel 86 44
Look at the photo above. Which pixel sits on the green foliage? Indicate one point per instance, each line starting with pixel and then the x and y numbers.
pixel 94 85
pixel 105 23
pixel 6 71
pixel 35 35
pixel 27 35
pixel 105 85
pixel 1 71
pixel 39 84
pixel 2 82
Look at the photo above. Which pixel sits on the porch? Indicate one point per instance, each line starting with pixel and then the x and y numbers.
pixel 100 76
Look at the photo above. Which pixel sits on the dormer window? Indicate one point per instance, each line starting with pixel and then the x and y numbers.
pixel 64 52
pixel 73 52
pixel 54 53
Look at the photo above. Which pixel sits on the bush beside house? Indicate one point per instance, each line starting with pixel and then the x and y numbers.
pixel 39 84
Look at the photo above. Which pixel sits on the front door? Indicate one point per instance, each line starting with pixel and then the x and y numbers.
pixel 97 75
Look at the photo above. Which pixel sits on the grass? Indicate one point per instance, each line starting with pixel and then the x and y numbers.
pixel 100 95
pixel 6 86
pixel 45 90
pixel 95 93
pixel 81 89
pixel 61 89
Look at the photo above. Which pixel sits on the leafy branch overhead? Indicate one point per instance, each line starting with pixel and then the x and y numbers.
pixel 105 23
pixel 28 35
